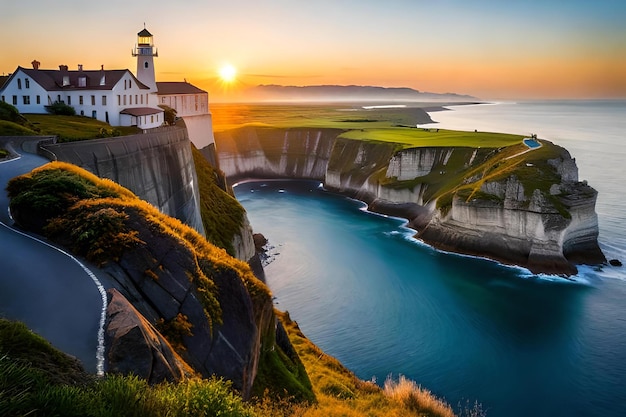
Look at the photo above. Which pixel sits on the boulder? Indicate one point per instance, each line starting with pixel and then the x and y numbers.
pixel 134 346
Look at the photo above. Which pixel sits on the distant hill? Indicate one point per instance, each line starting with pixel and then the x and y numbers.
pixel 348 93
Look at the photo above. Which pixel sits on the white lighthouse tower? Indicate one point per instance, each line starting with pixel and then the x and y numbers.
pixel 145 53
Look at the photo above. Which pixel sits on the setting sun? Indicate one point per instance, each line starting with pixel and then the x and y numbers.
pixel 228 73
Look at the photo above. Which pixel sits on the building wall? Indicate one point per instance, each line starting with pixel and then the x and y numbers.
pixel 200 128
pixel 186 104
pixel 104 105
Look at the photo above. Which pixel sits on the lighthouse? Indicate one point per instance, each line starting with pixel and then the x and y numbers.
pixel 145 53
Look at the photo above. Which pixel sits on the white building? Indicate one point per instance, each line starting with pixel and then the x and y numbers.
pixel 192 104
pixel 116 97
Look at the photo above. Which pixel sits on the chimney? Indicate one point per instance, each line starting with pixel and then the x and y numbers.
pixel 36 64
pixel 102 75
pixel 80 67
pixel 63 68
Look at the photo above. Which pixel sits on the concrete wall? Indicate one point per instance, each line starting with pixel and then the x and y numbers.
pixel 157 166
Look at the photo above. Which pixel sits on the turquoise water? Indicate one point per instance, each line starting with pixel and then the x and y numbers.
pixel 467 329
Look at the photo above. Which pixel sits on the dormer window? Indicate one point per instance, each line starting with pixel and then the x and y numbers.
pixel 66 80
pixel 82 81
pixel 102 80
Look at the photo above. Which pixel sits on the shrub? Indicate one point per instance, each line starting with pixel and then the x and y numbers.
pixel 416 398
pixel 61 109
pixel 169 113
pixel 11 113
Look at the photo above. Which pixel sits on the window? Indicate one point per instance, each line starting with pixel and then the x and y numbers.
pixel 82 81
pixel 80 100
pixel 69 100
pixel 106 116
pixel 130 84
pixel 136 101
pixel 119 100
pixel 59 98
pixel 82 112
pixel 145 64
pixel 93 100
pixel 26 100
pixel 151 119
pixel 66 80
pixel 124 84
pixel 38 99
pixel 26 82
pixel 124 99
pixel 141 98
pixel 19 84
pixel 15 100
pixel 104 100
pixel 130 99
pixel 94 114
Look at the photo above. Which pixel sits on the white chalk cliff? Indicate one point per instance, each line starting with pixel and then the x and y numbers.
pixel 537 215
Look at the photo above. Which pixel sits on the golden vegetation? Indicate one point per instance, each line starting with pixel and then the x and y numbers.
pixel 340 393
pixel 106 212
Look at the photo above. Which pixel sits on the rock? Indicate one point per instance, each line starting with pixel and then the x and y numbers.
pixel 134 346
pixel 615 262
pixel 548 228
pixel 259 242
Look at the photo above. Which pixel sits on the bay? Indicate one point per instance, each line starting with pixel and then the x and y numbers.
pixel 468 329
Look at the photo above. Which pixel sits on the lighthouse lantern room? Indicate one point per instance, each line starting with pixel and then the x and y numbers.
pixel 145 52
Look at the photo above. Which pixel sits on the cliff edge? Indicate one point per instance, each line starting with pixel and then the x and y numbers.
pixel 187 304
pixel 508 201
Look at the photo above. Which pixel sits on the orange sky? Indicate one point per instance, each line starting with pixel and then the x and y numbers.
pixel 485 48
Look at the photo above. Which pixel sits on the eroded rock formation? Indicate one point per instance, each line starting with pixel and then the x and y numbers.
pixel 517 206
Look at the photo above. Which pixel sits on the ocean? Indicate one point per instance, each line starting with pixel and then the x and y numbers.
pixel 467 329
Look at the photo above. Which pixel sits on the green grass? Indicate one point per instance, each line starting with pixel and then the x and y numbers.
pixel 336 116
pixel 73 128
pixel 397 125
pixel 414 138
pixel 222 215
pixel 14 129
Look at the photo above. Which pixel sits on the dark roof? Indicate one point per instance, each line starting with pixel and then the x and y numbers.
pixel 144 33
pixel 177 87
pixel 141 111
pixel 52 80
pixel 3 79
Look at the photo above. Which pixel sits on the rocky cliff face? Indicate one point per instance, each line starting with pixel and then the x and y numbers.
pixel 517 206
pixel 181 305
pixel 156 166
pixel 268 153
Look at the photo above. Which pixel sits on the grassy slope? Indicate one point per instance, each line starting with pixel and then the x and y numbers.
pixel 92 211
pixel 386 125
pixel 68 128
pixel 222 215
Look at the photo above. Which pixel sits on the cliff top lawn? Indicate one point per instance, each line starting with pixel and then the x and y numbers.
pixel 395 125
pixel 67 128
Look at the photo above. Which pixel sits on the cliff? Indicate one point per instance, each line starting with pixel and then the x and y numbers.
pixel 511 203
pixel 156 166
pixel 190 305
pixel 160 167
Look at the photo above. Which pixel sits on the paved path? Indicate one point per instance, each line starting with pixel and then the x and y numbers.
pixel 45 288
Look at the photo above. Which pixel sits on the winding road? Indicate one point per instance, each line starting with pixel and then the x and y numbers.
pixel 49 290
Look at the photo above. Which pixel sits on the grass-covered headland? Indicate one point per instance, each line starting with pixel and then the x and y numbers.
pixel 96 218
pixel 68 128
